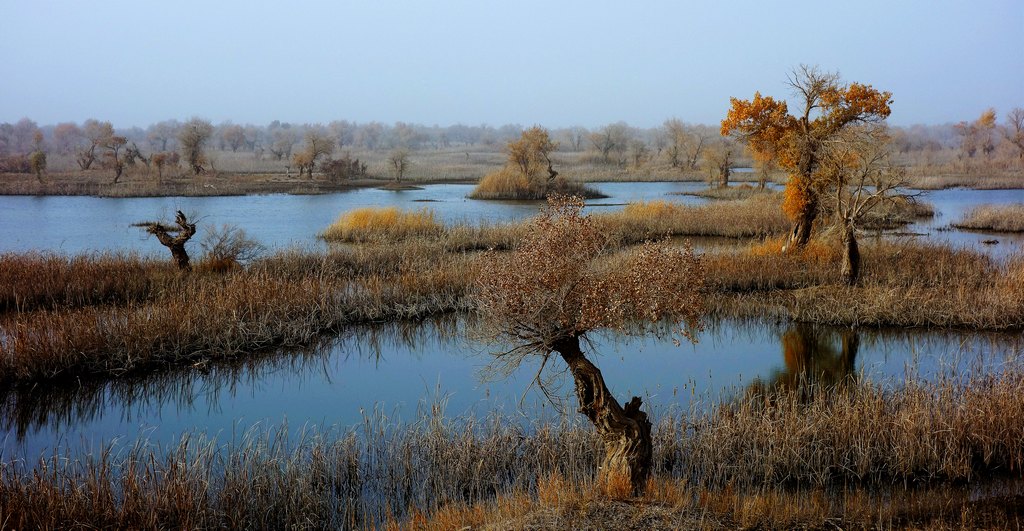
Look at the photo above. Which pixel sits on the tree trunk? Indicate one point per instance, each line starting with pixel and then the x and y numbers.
pixel 851 256
pixel 802 228
pixel 626 432
pixel 177 242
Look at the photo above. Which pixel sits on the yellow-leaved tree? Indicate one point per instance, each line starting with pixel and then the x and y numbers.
pixel 797 142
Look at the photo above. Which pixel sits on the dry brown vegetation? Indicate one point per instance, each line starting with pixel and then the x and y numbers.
pixel 108 314
pixel 993 218
pixel 856 455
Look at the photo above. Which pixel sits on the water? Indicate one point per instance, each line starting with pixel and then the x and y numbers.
pixel 400 369
pixel 397 369
pixel 950 207
pixel 84 224
pixel 76 224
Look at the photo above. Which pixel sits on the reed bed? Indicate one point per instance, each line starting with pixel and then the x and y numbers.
pixel 510 184
pixel 382 224
pixel 756 217
pixel 76 317
pixel 286 300
pixel 945 287
pixel 825 454
pixel 993 218
pixel 729 193
pixel 34 280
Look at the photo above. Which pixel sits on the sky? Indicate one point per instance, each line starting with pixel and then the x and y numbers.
pixel 556 64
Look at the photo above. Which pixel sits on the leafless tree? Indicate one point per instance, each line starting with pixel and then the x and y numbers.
pixel 562 283
pixel 173 237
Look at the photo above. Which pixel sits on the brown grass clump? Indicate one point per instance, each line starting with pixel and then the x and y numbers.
pixel 757 216
pixel 944 287
pixel 509 183
pixel 288 299
pixel 382 224
pixel 32 281
pixel 730 193
pixel 994 218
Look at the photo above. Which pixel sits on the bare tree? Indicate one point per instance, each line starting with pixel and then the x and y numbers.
pixel 318 144
pixel 857 169
pixel 561 283
pixel 97 134
pixel 174 238
pixel 1014 130
pixel 611 139
pixel 193 137
pixel 398 161
pixel 719 157
pixel 112 154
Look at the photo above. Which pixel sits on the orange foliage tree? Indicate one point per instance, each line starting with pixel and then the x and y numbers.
pixel 796 142
pixel 561 283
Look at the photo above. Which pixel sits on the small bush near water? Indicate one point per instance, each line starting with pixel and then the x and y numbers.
pixel 509 184
pixel 855 454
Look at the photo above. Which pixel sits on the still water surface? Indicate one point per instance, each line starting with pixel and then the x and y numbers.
pixel 398 369
pixel 401 369
pixel 74 224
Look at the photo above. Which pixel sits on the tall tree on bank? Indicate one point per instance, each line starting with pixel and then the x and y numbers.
pixel 561 283
pixel 796 142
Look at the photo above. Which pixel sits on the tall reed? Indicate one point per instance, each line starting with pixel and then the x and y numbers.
pixel 856 439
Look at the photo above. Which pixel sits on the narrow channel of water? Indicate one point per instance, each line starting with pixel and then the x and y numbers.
pixel 399 369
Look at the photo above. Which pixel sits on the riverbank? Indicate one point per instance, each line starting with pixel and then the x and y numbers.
pixel 111 315
pixel 910 453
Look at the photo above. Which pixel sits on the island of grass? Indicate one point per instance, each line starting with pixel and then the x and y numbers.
pixel 529 173
pixel 994 218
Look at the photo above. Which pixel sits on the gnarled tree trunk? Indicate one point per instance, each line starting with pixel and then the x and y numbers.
pixel 851 256
pixel 802 228
pixel 176 242
pixel 626 431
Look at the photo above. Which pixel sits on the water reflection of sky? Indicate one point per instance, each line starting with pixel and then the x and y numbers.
pixel 398 369
pixel 82 224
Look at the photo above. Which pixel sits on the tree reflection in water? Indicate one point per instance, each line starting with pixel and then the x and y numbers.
pixel 813 362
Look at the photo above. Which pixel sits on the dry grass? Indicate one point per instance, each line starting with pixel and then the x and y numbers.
pixel 857 455
pixel 729 193
pixel 34 281
pixel 107 315
pixel 994 218
pixel 756 217
pixel 903 284
pixel 381 224
pixel 287 299
pixel 977 181
pixel 510 184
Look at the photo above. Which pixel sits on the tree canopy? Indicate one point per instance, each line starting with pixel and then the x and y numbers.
pixel 795 142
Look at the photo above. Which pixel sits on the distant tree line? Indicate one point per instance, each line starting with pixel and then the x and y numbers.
pixel 981 144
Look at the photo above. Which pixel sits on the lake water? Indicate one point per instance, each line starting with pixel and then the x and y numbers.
pixel 75 224
pixel 398 369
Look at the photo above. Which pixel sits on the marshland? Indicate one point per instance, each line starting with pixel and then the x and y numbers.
pixel 511 266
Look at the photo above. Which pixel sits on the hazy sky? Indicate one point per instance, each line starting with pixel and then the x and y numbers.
pixel 554 63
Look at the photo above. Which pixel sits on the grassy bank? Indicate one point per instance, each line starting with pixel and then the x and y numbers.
pixel 109 315
pixel 993 218
pixel 861 454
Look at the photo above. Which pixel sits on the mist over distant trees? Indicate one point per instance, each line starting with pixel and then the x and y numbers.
pixel 990 141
